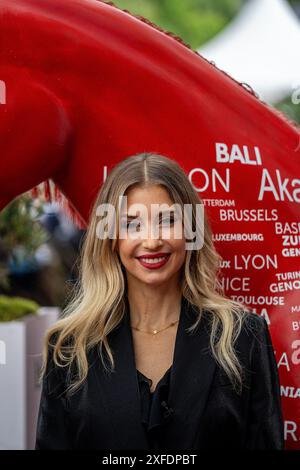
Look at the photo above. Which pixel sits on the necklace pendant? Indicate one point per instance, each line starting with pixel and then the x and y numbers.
pixel 154 332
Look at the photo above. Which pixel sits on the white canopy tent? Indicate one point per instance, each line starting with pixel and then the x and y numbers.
pixel 261 47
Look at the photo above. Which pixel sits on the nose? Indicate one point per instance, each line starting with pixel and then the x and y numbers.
pixel 151 242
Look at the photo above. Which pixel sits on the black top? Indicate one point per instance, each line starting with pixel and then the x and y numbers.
pixel 154 406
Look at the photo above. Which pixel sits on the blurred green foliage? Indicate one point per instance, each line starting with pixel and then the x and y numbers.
pixel 20 232
pixel 289 108
pixel 295 3
pixel 195 21
pixel 14 308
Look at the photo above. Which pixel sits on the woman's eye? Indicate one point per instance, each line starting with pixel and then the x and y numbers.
pixel 133 225
pixel 168 221
pixel 137 225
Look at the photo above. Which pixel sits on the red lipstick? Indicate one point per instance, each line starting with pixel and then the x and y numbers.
pixel 152 265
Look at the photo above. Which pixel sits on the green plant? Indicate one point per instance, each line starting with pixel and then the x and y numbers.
pixel 20 232
pixel 14 308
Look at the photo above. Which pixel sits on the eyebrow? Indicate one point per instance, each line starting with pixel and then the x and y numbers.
pixel 129 216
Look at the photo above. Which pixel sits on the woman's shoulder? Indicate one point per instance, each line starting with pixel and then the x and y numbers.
pixel 254 334
pixel 253 324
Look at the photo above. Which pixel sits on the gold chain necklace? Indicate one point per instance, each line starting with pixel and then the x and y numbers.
pixel 154 332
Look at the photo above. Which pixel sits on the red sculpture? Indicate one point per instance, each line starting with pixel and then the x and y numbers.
pixel 85 84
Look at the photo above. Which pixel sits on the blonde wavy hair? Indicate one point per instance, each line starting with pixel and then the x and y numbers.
pixel 97 302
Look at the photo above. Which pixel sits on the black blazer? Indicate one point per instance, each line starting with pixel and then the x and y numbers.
pixel 105 412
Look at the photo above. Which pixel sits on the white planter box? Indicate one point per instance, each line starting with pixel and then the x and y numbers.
pixel 21 344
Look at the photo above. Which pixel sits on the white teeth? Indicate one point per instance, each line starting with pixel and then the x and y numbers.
pixel 153 260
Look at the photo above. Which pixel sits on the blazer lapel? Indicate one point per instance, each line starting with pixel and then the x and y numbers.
pixel 191 376
pixel 121 392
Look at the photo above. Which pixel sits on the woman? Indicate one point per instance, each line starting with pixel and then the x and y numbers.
pixel 150 353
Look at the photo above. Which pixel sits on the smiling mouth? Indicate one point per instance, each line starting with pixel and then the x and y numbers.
pixel 154 262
